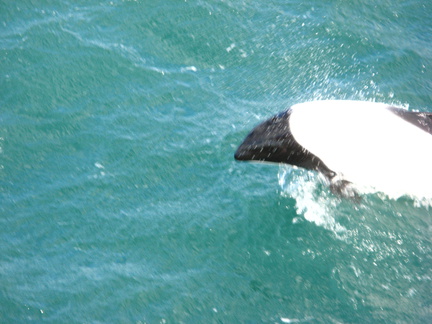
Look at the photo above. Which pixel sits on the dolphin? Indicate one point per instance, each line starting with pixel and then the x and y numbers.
pixel 358 146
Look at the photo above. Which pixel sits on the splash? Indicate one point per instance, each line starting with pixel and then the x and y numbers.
pixel 316 204
pixel 312 201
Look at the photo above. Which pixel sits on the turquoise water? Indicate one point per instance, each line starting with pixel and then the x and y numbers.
pixel 120 200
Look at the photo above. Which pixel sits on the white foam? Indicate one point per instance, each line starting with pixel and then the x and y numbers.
pixel 315 205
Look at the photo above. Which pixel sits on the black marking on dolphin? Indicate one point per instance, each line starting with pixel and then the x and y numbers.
pixel 272 141
pixel 420 119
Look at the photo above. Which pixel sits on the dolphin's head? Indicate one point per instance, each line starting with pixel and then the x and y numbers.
pixel 269 141
pixel 272 141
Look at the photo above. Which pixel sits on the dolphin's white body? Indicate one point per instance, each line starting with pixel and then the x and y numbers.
pixel 367 144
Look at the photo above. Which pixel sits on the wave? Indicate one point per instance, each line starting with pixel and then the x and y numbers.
pixel 315 202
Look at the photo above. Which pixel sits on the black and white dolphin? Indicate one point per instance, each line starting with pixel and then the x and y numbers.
pixel 355 144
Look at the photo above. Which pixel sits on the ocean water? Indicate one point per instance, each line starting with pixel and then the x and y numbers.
pixel 120 200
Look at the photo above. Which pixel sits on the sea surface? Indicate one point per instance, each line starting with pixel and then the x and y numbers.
pixel 120 200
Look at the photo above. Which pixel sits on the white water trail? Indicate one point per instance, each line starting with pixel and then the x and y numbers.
pixel 315 204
